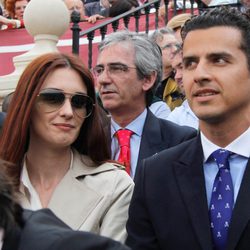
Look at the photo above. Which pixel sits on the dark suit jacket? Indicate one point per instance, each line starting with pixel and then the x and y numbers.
pixel 159 134
pixel 42 230
pixel 169 207
pixel 95 8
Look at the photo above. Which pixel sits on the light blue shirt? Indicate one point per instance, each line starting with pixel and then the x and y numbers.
pixel 137 127
pixel 160 109
pixel 184 116
pixel 237 161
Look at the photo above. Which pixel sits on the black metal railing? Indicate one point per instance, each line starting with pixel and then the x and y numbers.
pixel 126 18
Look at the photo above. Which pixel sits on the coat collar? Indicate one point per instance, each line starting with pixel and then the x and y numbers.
pixel 83 165
pixel 73 200
pixel 151 141
pixel 190 178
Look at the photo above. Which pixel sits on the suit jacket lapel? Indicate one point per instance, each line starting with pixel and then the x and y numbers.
pixel 190 178
pixel 241 212
pixel 151 141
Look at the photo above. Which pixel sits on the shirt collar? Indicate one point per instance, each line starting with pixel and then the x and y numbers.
pixel 136 125
pixel 240 146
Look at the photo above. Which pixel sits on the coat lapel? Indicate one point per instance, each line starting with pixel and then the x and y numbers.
pixel 151 141
pixel 73 200
pixel 191 181
pixel 241 212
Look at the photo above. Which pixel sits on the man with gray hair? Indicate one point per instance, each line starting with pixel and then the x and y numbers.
pixel 128 70
pixel 168 90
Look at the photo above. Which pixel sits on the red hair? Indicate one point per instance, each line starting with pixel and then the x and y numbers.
pixel 15 134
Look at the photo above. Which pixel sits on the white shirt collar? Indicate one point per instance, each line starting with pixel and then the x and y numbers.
pixel 240 146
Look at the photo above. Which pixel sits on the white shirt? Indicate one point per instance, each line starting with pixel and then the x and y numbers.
pixel 221 2
pixel 160 109
pixel 184 116
pixel 137 127
pixel 238 161
pixel 35 202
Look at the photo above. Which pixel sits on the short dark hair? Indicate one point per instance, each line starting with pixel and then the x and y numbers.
pixel 222 16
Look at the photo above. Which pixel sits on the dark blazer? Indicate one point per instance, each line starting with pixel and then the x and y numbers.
pixel 169 207
pixel 42 230
pixel 159 134
pixel 95 8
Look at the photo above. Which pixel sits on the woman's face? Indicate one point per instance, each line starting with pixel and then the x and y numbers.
pixel 61 127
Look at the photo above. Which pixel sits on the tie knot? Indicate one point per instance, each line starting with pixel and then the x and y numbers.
pixel 123 136
pixel 221 157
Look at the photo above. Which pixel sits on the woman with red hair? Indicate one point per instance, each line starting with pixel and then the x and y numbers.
pixel 53 134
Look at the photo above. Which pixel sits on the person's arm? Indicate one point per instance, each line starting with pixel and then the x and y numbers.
pixel 11 23
pixel 94 18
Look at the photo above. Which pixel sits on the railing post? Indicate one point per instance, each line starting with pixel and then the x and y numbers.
pixel 75 18
pixel 115 25
pixel 192 6
pixel 90 38
pixel 166 11
pixel 157 6
pixel 137 17
pixel 103 31
pixel 184 6
pixel 147 10
pixel 126 21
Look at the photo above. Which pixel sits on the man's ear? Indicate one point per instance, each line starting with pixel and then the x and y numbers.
pixel 149 81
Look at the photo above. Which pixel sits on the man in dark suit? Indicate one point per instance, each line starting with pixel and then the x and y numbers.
pixel 40 230
pixel 196 195
pixel 128 70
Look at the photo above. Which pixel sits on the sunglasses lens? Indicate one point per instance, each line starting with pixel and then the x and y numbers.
pixel 51 101
pixel 82 105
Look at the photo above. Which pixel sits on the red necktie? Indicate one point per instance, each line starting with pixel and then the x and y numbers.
pixel 123 136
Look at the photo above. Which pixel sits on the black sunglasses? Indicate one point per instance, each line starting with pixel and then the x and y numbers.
pixel 53 99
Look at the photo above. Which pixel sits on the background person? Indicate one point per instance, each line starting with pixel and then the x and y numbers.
pixel 168 89
pixel 128 70
pixel 15 10
pixel 182 115
pixel 61 155
pixel 177 22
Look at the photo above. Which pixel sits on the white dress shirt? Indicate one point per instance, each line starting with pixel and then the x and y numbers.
pixel 184 116
pixel 136 126
pixel 238 161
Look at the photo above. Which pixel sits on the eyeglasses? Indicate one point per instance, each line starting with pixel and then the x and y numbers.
pixel 112 68
pixel 178 46
pixel 53 99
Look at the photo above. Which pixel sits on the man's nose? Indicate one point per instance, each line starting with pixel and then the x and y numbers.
pixel 201 72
